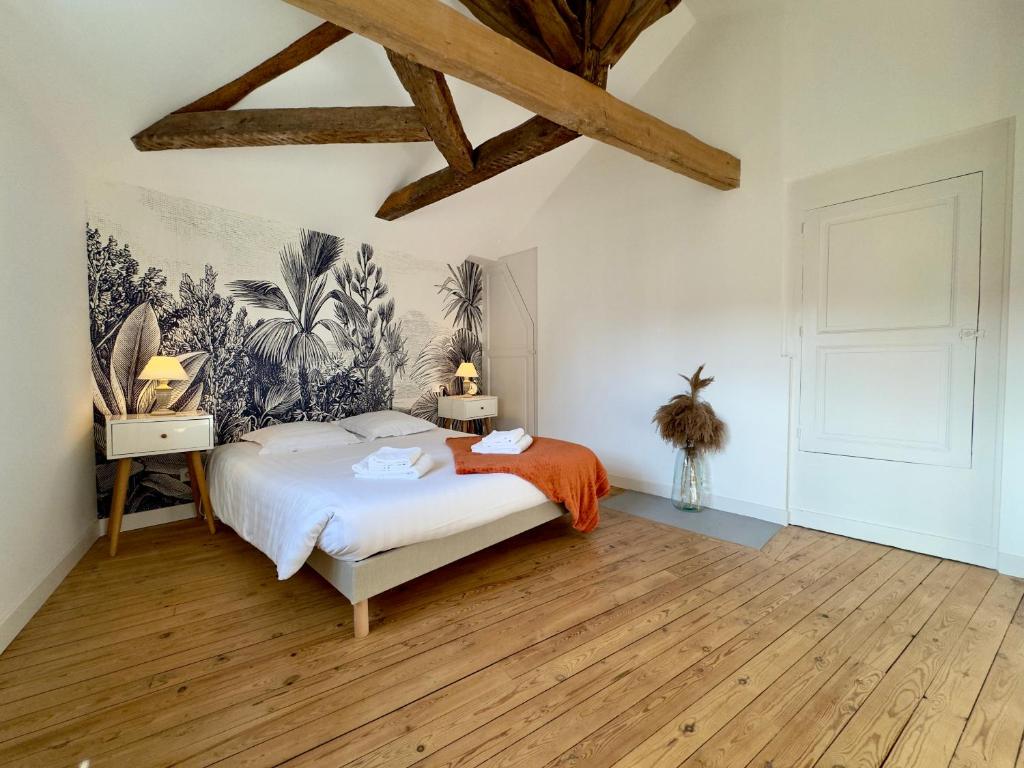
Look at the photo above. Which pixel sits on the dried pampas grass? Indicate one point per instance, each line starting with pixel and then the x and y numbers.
pixel 688 422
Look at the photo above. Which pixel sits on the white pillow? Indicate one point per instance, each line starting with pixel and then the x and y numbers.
pixel 300 436
pixel 385 424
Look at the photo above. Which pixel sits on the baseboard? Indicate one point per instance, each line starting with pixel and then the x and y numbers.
pixel 722 503
pixel 13 623
pixel 914 541
pixel 152 517
pixel 1011 565
pixel 643 486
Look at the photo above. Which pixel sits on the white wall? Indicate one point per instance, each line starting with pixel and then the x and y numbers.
pixel 49 506
pixel 644 274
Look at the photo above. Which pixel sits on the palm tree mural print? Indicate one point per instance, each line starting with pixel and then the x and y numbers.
pixel 437 363
pixel 322 339
pixel 292 340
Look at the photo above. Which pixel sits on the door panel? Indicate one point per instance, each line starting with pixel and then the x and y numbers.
pixel 857 405
pixel 889 268
pixel 513 379
pixel 890 318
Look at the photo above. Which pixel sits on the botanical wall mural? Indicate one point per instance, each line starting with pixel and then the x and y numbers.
pixel 271 324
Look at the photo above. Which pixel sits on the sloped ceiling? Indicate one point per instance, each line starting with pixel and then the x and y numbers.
pixel 93 73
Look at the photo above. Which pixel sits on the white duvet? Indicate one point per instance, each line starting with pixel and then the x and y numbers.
pixel 285 505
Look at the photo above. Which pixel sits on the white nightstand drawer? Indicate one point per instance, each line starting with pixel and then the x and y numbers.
pixel 468 408
pixel 484 409
pixel 136 438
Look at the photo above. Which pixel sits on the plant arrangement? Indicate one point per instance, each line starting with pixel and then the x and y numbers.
pixel 691 425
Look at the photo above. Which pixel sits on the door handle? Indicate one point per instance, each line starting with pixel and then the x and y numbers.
pixel 971 333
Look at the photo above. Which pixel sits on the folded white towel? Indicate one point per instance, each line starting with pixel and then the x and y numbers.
pixel 422 465
pixel 507 437
pixel 389 459
pixel 515 448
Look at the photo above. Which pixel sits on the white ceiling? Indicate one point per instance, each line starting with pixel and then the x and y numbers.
pixel 94 72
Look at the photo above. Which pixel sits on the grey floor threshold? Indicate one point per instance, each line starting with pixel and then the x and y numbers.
pixel 740 529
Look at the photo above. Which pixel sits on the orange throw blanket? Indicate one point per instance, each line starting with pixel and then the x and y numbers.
pixel 566 473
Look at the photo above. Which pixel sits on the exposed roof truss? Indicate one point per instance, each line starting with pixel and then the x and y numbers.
pixel 550 56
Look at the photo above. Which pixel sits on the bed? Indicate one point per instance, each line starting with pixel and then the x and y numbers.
pixel 367 536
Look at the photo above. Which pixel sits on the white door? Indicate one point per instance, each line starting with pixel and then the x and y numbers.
pixel 510 352
pixel 896 427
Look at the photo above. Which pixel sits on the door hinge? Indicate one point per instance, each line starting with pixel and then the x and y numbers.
pixel 971 333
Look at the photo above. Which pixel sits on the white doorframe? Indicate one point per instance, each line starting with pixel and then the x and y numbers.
pixel 988 149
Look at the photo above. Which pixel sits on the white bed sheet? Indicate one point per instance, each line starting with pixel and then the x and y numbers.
pixel 285 505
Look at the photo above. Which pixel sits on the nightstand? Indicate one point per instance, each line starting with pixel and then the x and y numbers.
pixel 147 434
pixel 468 409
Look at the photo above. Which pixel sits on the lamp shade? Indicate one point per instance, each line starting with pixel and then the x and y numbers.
pixel 467 371
pixel 162 368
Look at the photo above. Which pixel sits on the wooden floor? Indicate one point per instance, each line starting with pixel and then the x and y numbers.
pixel 639 645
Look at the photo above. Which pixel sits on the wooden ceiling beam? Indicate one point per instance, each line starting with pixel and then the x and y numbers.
pixel 555 32
pixel 607 18
pixel 507 150
pixel 303 49
pixel 436 36
pixel 570 17
pixel 268 127
pixel 429 92
pixel 642 15
pixel 498 16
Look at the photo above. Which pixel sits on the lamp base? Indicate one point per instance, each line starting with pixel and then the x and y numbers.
pixel 469 387
pixel 161 399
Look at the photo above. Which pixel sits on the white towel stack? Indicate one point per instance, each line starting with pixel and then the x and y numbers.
pixel 512 442
pixel 388 463
pixel 389 459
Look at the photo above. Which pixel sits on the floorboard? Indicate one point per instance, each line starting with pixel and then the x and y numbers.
pixel 639 645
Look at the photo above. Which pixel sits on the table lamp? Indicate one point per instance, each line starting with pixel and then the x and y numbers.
pixel 466 372
pixel 163 370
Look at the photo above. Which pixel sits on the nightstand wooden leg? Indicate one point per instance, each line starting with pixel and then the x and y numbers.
pixel 197 499
pixel 198 475
pixel 124 471
pixel 488 427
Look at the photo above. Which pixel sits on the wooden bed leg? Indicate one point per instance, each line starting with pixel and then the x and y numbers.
pixel 361 618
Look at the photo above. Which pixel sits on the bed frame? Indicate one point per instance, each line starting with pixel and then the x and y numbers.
pixel 359 580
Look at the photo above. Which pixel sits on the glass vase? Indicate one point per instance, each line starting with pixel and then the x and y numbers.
pixel 689 481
